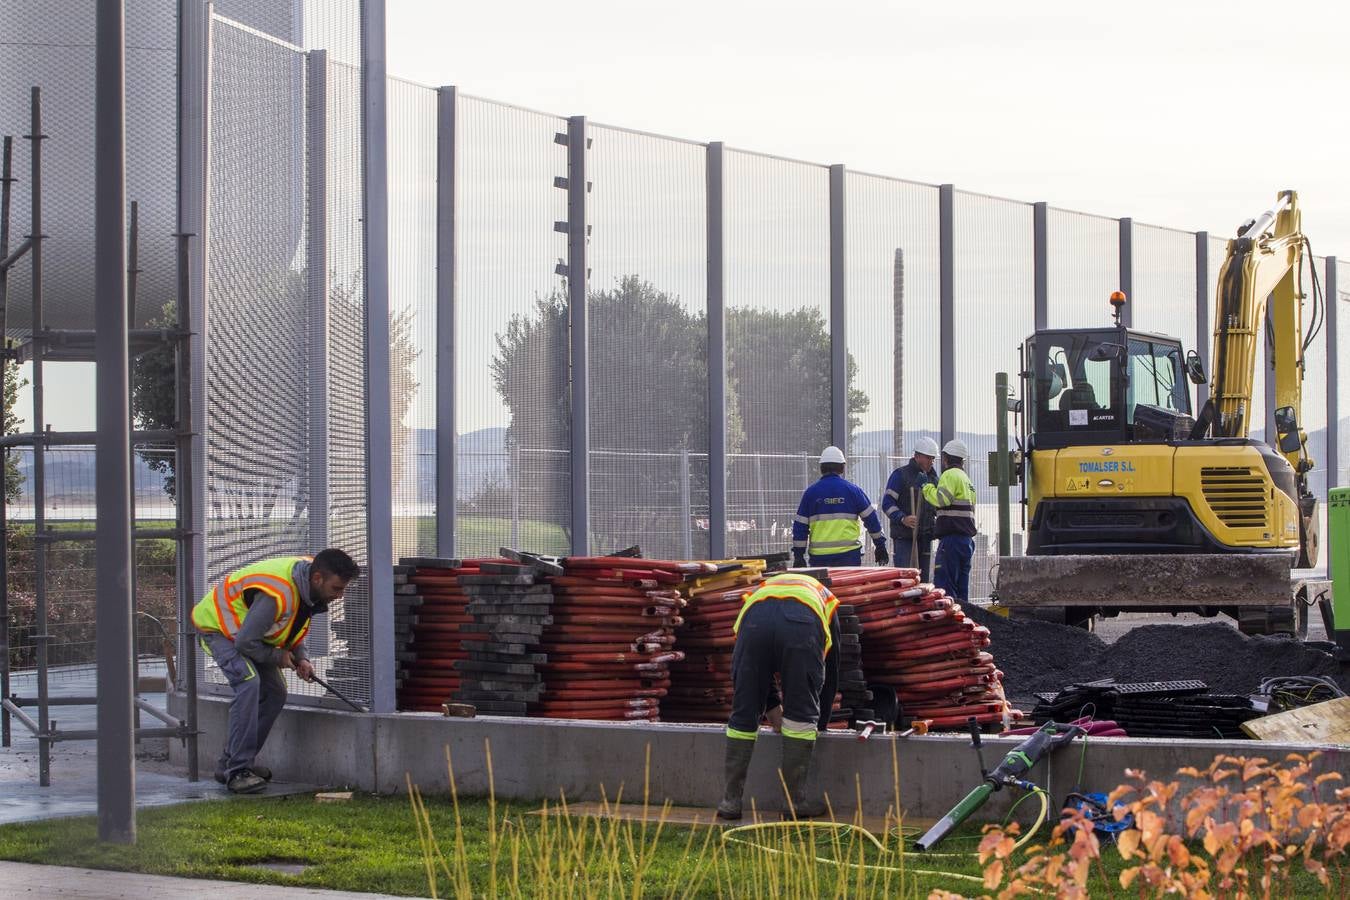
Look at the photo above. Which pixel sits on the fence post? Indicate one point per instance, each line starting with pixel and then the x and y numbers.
pixel 447 511
pixel 194 92
pixel 317 270
pixel 1333 303
pixel 686 513
pixel 1040 230
pixel 515 477
pixel 717 355
pixel 838 314
pixel 379 424
pixel 947 309
pixel 115 604
pixel 1202 327
pixel 1127 269
pixel 761 522
pixel 578 275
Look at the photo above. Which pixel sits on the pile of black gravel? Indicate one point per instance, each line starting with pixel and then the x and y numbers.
pixel 1038 657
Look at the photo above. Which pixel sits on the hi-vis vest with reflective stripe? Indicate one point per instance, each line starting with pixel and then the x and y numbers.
pixel 803 589
pixel 834 533
pixel 223 609
pixel 954 497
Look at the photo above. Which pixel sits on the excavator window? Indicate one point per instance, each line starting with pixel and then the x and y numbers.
pixel 1157 377
pixel 1073 385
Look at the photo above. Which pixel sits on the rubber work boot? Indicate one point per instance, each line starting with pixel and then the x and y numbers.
pixel 246 783
pixel 737 764
pixel 796 773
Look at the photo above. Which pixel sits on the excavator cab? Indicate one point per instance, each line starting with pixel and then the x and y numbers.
pixel 1104 386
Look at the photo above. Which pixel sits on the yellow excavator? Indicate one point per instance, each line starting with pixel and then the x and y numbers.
pixel 1135 504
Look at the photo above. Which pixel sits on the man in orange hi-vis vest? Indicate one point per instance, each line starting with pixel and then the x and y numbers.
pixel 784 627
pixel 253 623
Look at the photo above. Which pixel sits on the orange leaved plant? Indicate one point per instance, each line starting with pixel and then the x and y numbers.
pixel 1240 834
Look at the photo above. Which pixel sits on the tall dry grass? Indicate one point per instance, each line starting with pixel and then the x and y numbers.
pixel 559 852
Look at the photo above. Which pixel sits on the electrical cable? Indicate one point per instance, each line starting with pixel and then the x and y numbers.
pixel 729 836
pixel 1293 691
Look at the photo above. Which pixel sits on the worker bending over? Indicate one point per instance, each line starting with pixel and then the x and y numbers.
pixel 783 627
pixel 912 518
pixel 827 519
pixel 954 498
pixel 253 624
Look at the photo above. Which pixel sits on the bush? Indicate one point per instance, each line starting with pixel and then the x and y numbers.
pixel 1242 833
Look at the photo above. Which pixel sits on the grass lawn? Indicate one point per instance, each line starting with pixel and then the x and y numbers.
pixel 375 844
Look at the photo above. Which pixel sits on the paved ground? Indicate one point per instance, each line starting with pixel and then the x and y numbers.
pixel 29 881
pixel 73 789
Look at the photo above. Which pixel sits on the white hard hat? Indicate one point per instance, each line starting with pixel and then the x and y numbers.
pixel 956 449
pixel 832 455
pixel 927 446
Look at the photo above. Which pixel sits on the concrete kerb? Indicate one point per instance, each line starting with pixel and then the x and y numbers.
pixel 534 759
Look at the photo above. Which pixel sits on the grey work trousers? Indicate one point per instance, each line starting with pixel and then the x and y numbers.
pixel 259 695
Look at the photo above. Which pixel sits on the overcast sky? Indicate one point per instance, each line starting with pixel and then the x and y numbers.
pixel 1187 114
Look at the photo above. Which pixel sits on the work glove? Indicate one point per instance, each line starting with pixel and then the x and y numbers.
pixel 798 559
pixel 883 558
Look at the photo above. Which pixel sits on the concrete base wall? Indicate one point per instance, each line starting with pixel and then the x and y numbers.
pixel 533 759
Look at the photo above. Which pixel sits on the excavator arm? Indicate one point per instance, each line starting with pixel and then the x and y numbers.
pixel 1264 264
pixel 1264 261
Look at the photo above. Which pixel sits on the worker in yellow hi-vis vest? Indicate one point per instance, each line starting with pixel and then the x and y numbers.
pixel 784 628
pixel 253 623
pixel 954 498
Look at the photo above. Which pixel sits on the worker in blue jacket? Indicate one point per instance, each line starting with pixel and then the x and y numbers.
pixel 903 503
pixel 826 524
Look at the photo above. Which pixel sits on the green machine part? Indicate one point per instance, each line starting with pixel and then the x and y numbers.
pixel 1338 526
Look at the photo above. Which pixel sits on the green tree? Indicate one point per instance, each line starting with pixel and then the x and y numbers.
pixel 785 356
pixel 154 399
pixel 648 392
pixel 13 477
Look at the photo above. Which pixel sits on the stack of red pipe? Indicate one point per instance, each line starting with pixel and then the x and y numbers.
pixel 918 641
pixel 700 689
pixel 427 664
pixel 611 641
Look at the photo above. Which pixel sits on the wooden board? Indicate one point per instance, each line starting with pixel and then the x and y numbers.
pixel 1321 723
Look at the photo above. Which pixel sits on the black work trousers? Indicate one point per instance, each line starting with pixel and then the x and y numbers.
pixel 782 636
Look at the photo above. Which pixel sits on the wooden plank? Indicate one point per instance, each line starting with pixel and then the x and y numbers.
pixel 1321 723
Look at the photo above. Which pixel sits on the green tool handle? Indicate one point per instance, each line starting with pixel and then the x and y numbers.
pixel 952 820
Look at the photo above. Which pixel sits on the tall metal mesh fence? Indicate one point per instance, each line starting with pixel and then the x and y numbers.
pixel 891 249
pixel 778 342
pixel 412 308
pixel 1164 282
pixel 257 389
pixel 995 312
pixel 513 418
pixel 273 377
pixel 50 45
pixel 348 642
pixel 1084 268
pixel 649 337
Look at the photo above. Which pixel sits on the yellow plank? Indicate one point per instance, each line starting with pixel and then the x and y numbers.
pixel 1321 723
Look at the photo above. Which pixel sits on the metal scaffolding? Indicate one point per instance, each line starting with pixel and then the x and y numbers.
pixel 42 345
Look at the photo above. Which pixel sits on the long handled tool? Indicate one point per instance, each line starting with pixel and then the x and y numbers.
pixel 1017 763
pixel 914 535
pixel 335 692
